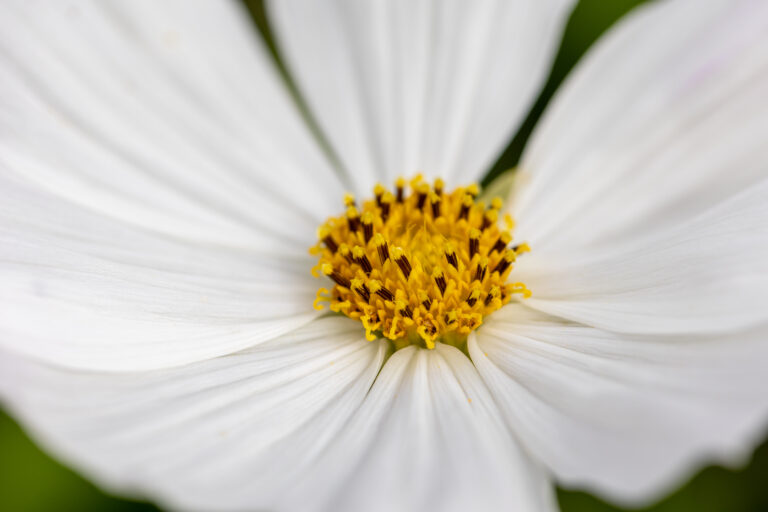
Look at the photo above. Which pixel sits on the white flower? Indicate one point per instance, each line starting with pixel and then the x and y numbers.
pixel 160 190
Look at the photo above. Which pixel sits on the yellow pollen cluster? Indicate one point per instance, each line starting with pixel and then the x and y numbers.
pixel 418 267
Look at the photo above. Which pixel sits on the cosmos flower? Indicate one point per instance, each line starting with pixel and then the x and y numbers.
pixel 161 190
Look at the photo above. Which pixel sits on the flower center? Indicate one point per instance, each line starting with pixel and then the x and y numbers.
pixel 418 267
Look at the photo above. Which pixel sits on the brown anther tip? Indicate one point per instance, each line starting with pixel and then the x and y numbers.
pixel 474 242
pixel 323 231
pixel 402 261
pixel 501 242
pixel 450 256
pixel 505 262
pixel 379 289
pixel 473 296
pixel 481 269
pixel 367 226
pixel 434 201
pixel 403 308
pixel 490 217
pixel 425 300
pixel 400 189
pixel 353 219
pixel 439 277
pixel 422 190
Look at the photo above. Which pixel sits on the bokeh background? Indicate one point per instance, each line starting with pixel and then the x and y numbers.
pixel 30 480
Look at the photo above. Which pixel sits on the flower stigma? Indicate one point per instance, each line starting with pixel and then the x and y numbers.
pixel 418 267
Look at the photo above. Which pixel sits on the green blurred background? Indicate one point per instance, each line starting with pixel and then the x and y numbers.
pixel 31 481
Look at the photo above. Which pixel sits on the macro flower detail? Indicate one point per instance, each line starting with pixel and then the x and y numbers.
pixel 169 211
pixel 421 267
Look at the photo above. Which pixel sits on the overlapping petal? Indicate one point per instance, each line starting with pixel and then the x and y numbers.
pixel 88 291
pixel 231 433
pixel 627 415
pixel 408 86
pixel 708 275
pixel 645 196
pixel 158 188
pixel 428 436
pixel 665 117
pixel 170 116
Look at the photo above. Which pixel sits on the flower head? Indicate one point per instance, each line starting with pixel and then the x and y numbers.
pixel 418 268
pixel 159 189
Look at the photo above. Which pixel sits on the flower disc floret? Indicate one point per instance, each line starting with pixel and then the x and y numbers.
pixel 418 267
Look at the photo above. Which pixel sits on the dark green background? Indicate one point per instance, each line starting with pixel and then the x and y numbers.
pixel 30 480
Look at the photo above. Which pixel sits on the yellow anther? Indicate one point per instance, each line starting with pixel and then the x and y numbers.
pixel 523 247
pixel 472 297
pixel 358 252
pixel 490 217
pixel 417 264
pixel 340 307
pixel 509 222
pixel 323 231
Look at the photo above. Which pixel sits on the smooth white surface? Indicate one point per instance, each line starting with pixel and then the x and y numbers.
pixel 231 433
pixel 405 86
pixel 158 189
pixel 663 118
pixel 428 437
pixel 627 416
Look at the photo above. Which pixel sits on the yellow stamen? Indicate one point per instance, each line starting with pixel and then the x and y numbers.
pixel 418 267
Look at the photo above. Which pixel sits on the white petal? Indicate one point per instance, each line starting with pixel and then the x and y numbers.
pixel 158 190
pixel 167 115
pixel 406 86
pixel 84 290
pixel 428 437
pixel 665 117
pixel 232 433
pixel 628 416
pixel 708 275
